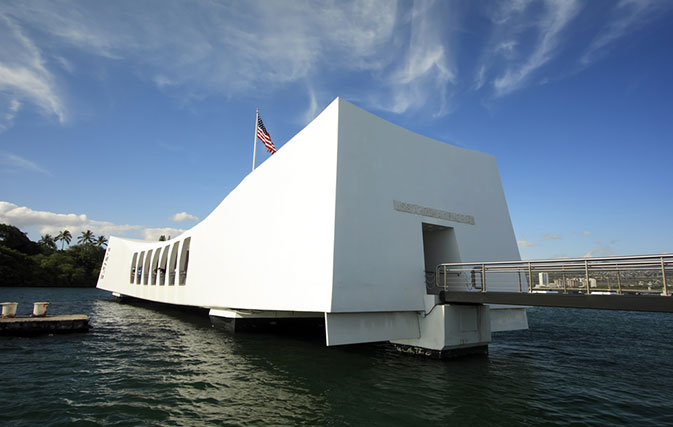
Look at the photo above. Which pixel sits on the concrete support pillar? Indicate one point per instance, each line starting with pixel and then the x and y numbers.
pixel 451 330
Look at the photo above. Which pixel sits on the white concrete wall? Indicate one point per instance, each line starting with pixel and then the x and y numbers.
pixel 378 259
pixel 268 245
pixel 313 228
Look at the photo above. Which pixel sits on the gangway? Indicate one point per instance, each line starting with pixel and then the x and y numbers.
pixel 635 283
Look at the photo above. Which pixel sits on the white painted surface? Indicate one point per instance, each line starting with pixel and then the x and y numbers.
pixel 378 254
pixel 313 229
pixel 351 328
pixel 453 326
pixel 265 314
pixel 268 245
pixel 508 319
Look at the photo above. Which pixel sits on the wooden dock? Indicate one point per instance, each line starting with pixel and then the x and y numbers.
pixel 29 325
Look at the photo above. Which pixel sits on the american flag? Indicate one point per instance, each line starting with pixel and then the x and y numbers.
pixel 264 136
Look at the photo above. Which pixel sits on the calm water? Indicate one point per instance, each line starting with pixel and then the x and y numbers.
pixel 157 366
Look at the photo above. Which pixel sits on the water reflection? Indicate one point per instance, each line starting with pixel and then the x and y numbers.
pixel 157 366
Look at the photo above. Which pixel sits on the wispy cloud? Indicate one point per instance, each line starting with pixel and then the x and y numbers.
pixel 13 162
pixel 24 77
pixel 598 252
pixel 313 108
pixel 397 57
pixel 204 48
pixel 625 16
pixel 219 46
pixel 525 244
pixel 184 216
pixel 427 68
pixel 551 237
pixel 558 14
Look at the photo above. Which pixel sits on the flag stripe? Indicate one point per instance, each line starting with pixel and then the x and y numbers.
pixel 264 136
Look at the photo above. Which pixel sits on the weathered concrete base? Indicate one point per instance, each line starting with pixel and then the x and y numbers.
pixel 30 326
pixel 291 323
pixel 480 350
pixel 451 329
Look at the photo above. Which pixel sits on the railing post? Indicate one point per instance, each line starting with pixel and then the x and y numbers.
pixel 663 276
pixel 445 287
pixel 586 275
pixel 530 279
pixel 565 285
pixel 619 280
pixel 519 274
pixel 483 277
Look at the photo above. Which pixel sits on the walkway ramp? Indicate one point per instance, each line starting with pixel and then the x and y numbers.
pixel 635 283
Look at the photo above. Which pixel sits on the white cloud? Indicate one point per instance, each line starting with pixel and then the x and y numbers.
pixel 586 233
pixel 627 15
pixel 12 162
pixel 551 237
pixel 558 15
pixel 9 112
pixel 525 244
pixel 405 54
pixel 52 223
pixel 155 233
pixel 599 252
pixel 313 107
pixel 184 216
pixel 506 48
pixel 480 78
pixel 426 69
pixel 221 46
pixel 202 48
pixel 24 77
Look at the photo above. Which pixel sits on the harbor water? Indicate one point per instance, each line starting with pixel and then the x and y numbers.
pixel 154 365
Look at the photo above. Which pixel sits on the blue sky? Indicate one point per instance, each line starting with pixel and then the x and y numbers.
pixel 136 118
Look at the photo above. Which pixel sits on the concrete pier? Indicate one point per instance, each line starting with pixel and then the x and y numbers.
pixel 29 326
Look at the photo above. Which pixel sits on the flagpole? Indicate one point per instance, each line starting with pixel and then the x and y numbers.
pixel 254 144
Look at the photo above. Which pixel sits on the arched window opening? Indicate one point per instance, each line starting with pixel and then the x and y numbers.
pixel 155 266
pixel 148 260
pixel 184 260
pixel 172 264
pixel 162 266
pixel 133 267
pixel 139 268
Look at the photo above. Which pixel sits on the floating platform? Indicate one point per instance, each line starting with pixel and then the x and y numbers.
pixel 30 326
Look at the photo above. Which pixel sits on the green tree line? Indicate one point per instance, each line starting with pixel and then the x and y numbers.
pixel 27 263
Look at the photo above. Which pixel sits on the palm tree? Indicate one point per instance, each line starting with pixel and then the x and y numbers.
pixel 86 237
pixel 101 240
pixel 47 241
pixel 65 237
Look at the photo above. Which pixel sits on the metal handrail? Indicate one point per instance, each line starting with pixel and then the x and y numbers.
pixel 639 273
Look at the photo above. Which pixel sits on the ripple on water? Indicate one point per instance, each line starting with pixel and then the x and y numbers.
pixel 158 366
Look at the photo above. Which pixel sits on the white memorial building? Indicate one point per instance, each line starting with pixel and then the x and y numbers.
pixel 339 228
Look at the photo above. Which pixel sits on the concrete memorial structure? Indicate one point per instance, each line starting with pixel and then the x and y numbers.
pixel 340 225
